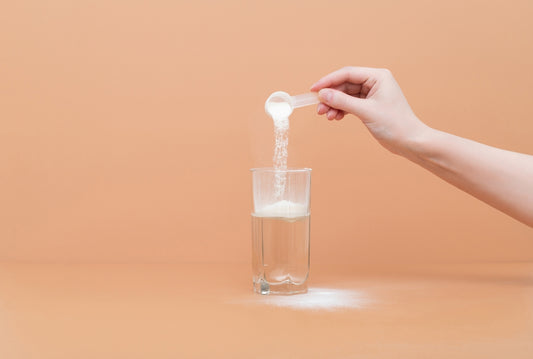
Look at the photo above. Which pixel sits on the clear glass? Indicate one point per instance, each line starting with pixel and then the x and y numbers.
pixel 280 230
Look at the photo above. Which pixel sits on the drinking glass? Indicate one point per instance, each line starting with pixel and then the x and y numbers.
pixel 280 230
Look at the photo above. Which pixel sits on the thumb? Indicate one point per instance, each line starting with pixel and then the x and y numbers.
pixel 342 101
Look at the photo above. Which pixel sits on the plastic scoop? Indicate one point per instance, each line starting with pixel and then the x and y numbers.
pixel 296 101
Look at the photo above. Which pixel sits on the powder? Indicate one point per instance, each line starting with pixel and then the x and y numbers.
pixel 283 209
pixel 280 111
pixel 326 299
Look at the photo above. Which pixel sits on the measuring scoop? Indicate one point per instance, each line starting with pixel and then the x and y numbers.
pixel 296 101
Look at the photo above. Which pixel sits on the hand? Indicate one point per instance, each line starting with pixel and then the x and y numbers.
pixel 375 97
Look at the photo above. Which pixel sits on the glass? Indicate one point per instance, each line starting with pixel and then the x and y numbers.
pixel 280 230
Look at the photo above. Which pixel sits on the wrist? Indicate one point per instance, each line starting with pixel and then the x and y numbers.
pixel 421 144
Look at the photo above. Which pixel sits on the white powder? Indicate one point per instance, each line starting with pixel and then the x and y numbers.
pixel 283 209
pixel 280 111
pixel 329 299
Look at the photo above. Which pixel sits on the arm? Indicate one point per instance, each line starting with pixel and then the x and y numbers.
pixel 502 179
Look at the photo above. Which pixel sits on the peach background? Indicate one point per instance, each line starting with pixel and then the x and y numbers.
pixel 127 128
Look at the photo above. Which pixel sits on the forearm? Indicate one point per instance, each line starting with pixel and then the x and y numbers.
pixel 502 179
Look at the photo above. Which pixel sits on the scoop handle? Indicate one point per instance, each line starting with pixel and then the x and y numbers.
pixel 305 99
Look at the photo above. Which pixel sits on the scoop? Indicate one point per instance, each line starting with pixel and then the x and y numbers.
pixel 296 101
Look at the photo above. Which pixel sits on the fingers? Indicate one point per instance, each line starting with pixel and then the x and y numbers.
pixel 339 101
pixel 341 91
pixel 354 75
pixel 332 114
pixel 349 88
pixel 322 109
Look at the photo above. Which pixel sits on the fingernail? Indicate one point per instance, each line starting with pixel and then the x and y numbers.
pixel 325 95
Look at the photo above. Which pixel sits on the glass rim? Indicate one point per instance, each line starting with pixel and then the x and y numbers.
pixel 272 169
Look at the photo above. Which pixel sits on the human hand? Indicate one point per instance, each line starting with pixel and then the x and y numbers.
pixel 375 97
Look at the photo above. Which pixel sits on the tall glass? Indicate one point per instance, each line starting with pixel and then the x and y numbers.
pixel 280 230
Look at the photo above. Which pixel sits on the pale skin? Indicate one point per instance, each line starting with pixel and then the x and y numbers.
pixel 500 178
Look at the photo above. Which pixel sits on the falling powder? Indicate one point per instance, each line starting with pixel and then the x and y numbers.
pixel 280 111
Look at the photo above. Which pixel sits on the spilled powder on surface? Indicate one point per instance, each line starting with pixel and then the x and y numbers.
pixel 328 299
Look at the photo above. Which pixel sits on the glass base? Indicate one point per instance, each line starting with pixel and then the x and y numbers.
pixel 284 288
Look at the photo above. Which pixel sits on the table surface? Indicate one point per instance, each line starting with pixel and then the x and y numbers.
pixel 482 310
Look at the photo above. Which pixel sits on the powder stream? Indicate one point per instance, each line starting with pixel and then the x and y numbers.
pixel 280 111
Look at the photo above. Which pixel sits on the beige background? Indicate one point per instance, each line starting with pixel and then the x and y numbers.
pixel 127 128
